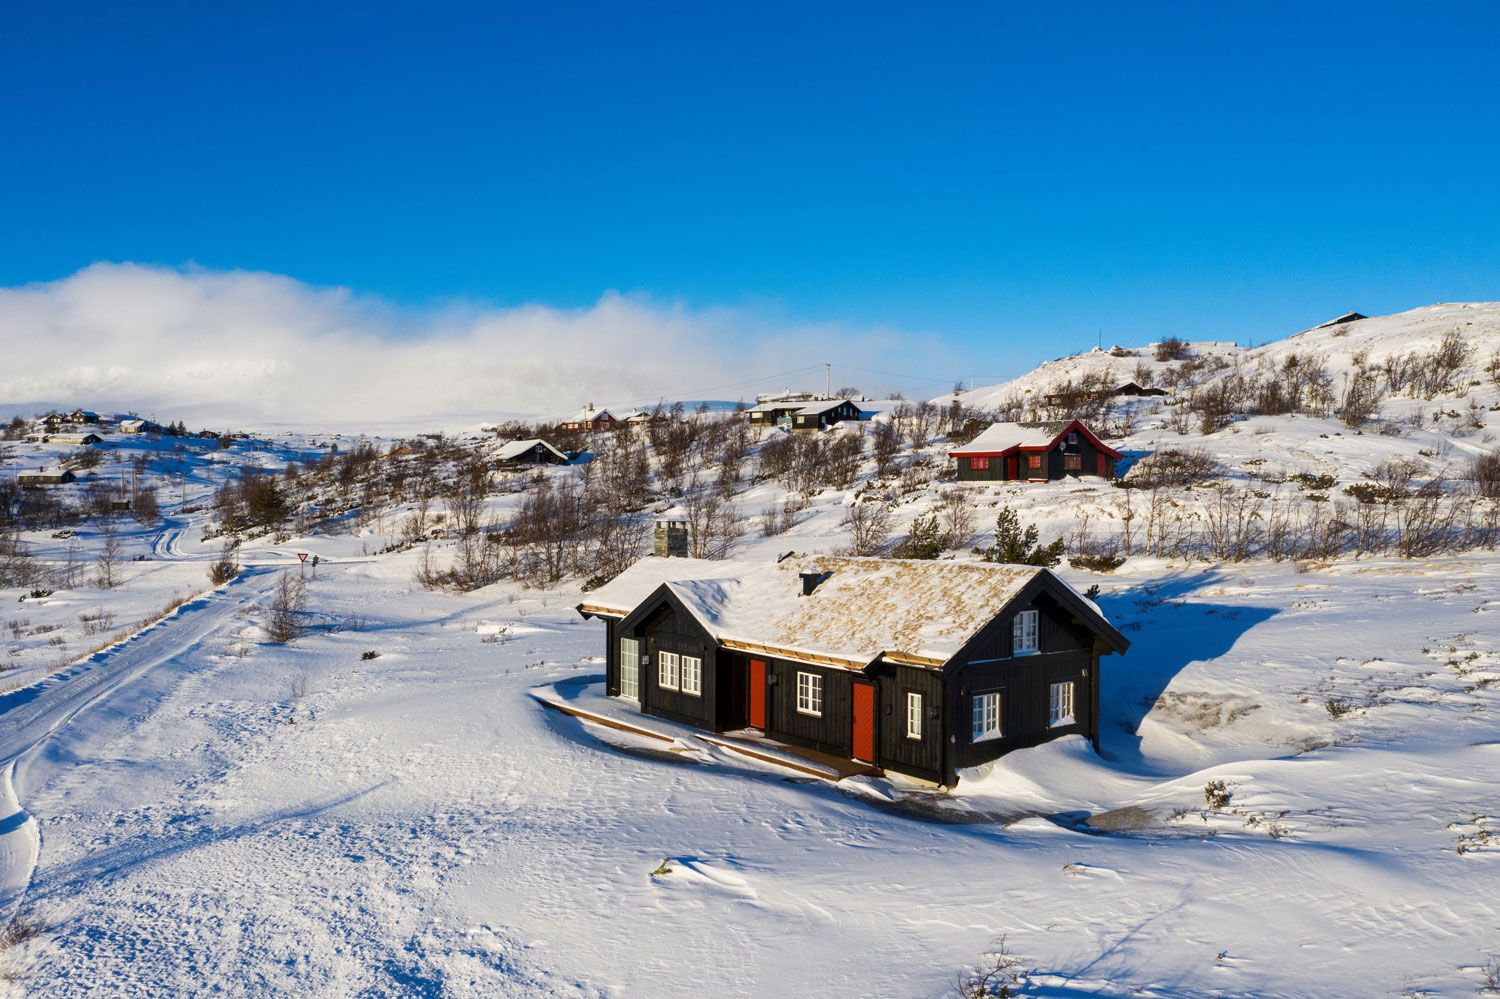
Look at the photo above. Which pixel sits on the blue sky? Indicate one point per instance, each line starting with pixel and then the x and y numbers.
pixel 1010 179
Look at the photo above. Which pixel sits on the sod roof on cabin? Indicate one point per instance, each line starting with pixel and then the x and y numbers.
pixel 865 607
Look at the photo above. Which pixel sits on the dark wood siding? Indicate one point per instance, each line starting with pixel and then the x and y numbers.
pixel 894 750
pixel 831 731
pixel 1024 682
pixel 968 473
pixel 669 630
pixel 846 410
pixel 611 658
pixel 1084 448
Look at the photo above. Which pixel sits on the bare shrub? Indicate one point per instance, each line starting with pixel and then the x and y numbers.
pixel 284 620
pixel 97 623
pixel 21 928
pixel 108 563
pixel 1170 349
pixel 1171 467
pixel 225 567
pixel 956 510
pixel 869 526
pixel 994 977
pixel 1484 473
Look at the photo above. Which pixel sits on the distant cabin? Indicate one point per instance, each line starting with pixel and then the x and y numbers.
pixel 817 416
pixel 801 414
pixel 1348 317
pixel 1136 389
pixel 530 452
pixel 1035 452
pixel 1075 397
pixel 771 414
pixel 980 660
pixel 82 440
pixel 636 418
pixel 590 418
pixel 44 476
pixel 82 416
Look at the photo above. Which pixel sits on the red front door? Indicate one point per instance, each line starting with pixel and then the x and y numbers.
pixel 757 694
pixel 1013 468
pixel 864 722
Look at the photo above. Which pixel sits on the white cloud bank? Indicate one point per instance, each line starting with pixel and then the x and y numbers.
pixel 242 347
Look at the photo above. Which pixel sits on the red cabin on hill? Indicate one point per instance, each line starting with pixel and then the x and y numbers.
pixel 1035 452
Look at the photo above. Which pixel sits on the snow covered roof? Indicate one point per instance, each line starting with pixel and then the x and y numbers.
pixel 1004 436
pixel 589 415
pixel 775 407
pixel 919 611
pixel 517 448
pixel 812 409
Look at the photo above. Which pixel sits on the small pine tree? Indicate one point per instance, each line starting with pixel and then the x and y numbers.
pixel 1014 546
pixel 926 540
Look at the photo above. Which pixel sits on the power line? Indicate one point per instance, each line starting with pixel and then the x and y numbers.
pixel 686 393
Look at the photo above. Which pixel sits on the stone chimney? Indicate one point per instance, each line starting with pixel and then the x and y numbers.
pixel 671 535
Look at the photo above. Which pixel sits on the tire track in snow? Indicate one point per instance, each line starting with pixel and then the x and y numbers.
pixel 31 715
pixel 20 842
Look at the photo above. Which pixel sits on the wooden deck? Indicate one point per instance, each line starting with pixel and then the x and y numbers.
pixel 806 762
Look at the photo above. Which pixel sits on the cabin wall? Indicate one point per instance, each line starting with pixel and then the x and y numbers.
pixel 986 665
pixel 611 657
pixel 968 473
pixel 894 749
pixel 1087 453
pixel 831 731
pixel 670 631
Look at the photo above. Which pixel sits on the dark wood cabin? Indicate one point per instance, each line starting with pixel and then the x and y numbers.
pixel 1135 389
pixel 1035 452
pixel 815 416
pixel 1017 664
pixel 529 452
pixel 771 414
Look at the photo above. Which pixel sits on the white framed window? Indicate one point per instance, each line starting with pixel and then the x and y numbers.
pixel 630 668
pixel 913 716
pixel 986 716
pixel 692 675
pixel 809 694
pixel 1023 633
pixel 1061 709
pixel 668 668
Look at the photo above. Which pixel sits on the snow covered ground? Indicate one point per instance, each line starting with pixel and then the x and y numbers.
pixel 300 820
pixel 197 811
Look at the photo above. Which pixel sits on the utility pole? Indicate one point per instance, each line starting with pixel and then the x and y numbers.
pixel 828 383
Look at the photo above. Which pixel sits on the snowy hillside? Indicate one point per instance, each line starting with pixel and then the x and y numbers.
pixel 1296 796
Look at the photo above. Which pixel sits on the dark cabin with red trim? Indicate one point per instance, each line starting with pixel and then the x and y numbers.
pixel 1007 656
pixel 1035 452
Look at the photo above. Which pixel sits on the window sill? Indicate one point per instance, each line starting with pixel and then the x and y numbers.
pixel 810 714
pixel 990 737
pixel 914 738
pixel 1064 722
pixel 1024 652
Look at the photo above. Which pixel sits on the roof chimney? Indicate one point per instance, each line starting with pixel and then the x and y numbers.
pixel 811 581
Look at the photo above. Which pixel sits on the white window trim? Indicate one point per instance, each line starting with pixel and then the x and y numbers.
pixel 696 689
pixel 978 734
pixel 1018 630
pixel 635 666
pixel 913 715
pixel 1055 700
pixel 663 660
pixel 813 687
